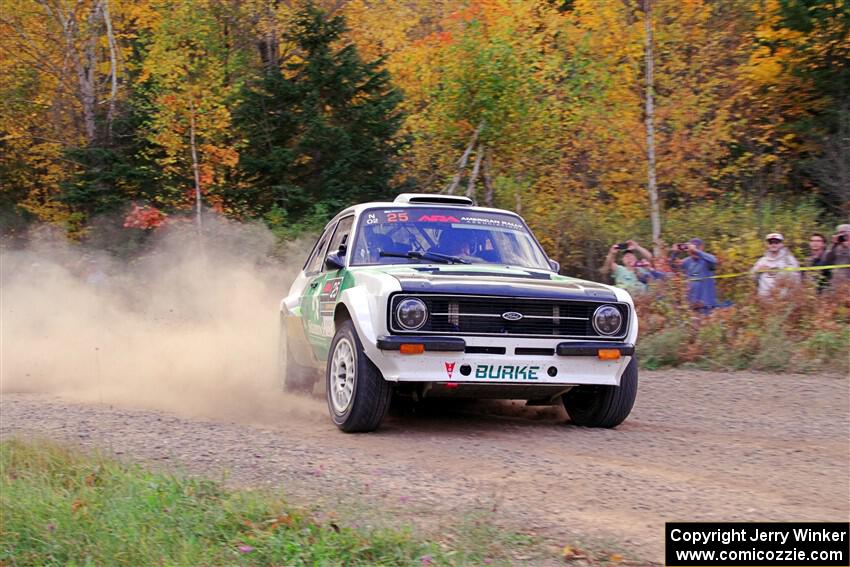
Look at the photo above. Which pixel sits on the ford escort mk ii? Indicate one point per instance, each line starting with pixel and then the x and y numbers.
pixel 430 296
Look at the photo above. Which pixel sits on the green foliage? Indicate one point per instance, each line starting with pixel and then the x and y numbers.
pixel 63 508
pixel 817 34
pixel 662 348
pixel 322 132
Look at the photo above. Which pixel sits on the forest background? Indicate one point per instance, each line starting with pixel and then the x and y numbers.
pixel 119 119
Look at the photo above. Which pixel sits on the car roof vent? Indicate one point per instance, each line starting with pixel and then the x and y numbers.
pixel 433 199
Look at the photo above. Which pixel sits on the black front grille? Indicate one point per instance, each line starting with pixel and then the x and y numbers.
pixel 483 315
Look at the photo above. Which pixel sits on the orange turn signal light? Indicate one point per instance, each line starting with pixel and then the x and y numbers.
pixel 608 354
pixel 411 348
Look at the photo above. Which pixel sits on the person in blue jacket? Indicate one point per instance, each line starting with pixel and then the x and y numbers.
pixel 699 266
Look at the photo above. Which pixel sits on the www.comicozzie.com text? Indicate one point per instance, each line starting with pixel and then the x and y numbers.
pixel 756 534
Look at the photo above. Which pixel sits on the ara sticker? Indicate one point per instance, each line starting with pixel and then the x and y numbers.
pixel 450 368
pixel 437 218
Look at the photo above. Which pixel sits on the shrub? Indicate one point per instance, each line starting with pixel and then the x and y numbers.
pixel 801 331
pixel 662 348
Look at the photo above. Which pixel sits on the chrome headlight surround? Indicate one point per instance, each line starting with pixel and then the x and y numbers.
pixel 607 320
pixel 411 314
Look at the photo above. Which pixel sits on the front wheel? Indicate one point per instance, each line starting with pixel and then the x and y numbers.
pixel 358 396
pixel 603 406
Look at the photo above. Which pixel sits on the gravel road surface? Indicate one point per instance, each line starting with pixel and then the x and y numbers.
pixel 699 446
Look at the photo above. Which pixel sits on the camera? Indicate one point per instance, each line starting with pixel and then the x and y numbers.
pixel 622 245
pixel 682 247
pixel 842 238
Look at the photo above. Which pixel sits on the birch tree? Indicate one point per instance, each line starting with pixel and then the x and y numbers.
pixel 651 185
pixel 188 69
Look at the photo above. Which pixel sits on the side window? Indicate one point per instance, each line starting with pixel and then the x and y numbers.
pixel 341 235
pixel 317 257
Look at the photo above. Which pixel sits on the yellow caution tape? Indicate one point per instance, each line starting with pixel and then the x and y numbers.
pixel 772 270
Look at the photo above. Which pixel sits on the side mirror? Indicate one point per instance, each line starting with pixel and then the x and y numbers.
pixel 556 267
pixel 334 261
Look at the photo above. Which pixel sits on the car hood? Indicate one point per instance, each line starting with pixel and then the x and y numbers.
pixel 496 280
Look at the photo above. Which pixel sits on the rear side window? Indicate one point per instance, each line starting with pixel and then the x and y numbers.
pixel 314 264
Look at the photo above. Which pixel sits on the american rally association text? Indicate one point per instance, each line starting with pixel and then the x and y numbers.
pixel 756 534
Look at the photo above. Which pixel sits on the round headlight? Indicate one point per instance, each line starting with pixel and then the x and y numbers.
pixel 607 320
pixel 411 314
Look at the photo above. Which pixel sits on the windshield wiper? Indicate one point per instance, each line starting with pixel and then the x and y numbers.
pixel 413 254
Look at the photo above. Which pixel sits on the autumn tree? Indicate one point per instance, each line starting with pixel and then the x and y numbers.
pixel 816 35
pixel 61 72
pixel 190 74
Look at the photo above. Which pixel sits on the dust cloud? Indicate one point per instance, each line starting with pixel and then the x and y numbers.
pixel 190 326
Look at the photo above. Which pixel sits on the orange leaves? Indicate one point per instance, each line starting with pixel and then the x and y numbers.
pixel 78 506
pixel 284 520
pixel 145 217
pixel 440 37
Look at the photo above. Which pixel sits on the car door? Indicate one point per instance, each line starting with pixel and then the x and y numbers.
pixel 322 290
pixel 309 299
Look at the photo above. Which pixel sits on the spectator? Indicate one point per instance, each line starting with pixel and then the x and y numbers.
pixel 817 257
pixel 629 275
pixel 839 253
pixel 777 257
pixel 699 266
pixel 647 272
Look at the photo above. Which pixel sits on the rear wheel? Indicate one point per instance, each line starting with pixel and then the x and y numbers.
pixel 603 406
pixel 358 396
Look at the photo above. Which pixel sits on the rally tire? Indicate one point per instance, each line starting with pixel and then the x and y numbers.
pixel 294 378
pixel 603 406
pixel 370 394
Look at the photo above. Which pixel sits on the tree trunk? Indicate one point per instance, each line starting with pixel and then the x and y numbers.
pixel 195 168
pixel 269 44
pixel 113 69
pixel 85 64
pixel 461 164
pixel 654 209
pixel 488 177
pixel 470 188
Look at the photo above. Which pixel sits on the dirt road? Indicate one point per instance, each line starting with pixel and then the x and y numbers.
pixel 699 446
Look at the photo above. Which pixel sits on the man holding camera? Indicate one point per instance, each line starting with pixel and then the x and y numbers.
pixel 629 275
pixel 699 266
pixel 839 253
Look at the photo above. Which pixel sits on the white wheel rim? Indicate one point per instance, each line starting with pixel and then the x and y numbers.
pixel 342 376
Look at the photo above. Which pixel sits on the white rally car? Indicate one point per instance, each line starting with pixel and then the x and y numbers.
pixel 430 296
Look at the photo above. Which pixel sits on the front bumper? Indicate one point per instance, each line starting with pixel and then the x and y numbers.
pixel 501 360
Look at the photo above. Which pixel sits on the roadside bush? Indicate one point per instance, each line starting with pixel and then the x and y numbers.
pixel 803 331
pixel 824 348
pixel 773 353
pixel 662 348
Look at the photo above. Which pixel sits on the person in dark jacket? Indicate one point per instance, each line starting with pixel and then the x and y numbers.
pixel 817 257
pixel 839 253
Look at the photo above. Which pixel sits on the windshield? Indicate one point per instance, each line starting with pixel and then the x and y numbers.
pixel 444 235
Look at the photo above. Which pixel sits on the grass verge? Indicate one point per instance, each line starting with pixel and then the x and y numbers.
pixel 59 506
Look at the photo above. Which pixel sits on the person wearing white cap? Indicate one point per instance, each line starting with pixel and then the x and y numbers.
pixel 777 257
pixel 839 253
